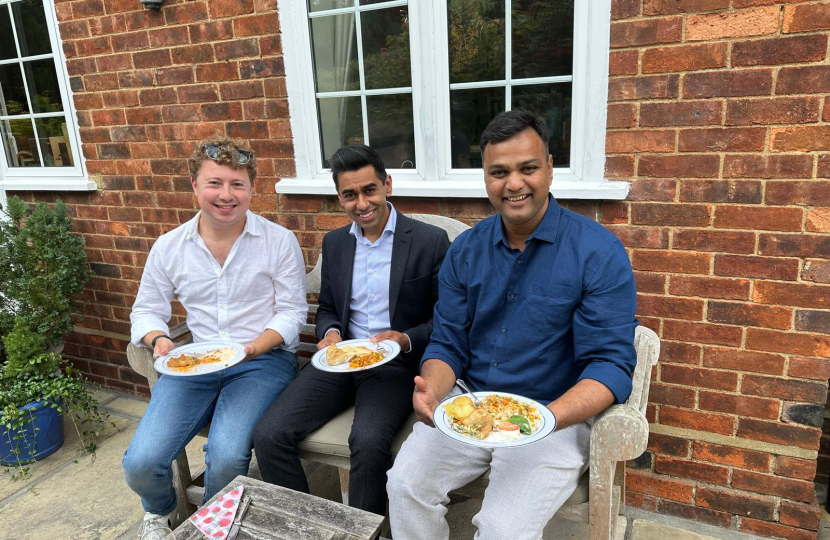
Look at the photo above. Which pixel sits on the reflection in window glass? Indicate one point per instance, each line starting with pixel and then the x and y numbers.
pixel 30 23
pixel 476 37
pixel 19 144
pixel 553 103
pixel 385 34
pixel 7 48
pixel 12 94
pixel 322 5
pixel 43 86
pixel 543 35
pixel 334 42
pixel 54 142
pixel 471 111
pixel 341 123
pixel 391 129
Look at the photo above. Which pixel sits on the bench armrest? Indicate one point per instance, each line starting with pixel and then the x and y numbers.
pixel 619 433
pixel 140 357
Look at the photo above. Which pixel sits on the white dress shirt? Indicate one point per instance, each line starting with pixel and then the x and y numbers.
pixel 261 285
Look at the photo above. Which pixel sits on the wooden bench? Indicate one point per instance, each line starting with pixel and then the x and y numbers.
pixel 619 434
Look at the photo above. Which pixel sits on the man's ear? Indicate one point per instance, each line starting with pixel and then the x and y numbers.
pixel 388 185
pixel 193 183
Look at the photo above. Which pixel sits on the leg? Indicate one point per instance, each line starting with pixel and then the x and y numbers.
pixel 161 436
pixel 382 404
pixel 428 467
pixel 248 389
pixel 313 399
pixel 541 475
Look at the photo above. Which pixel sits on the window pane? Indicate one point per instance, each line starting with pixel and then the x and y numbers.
pixel 7 49
pixel 335 53
pixel 341 123
pixel 368 2
pixel 543 35
pixel 54 142
pixel 18 138
pixel 322 5
pixel 476 37
pixel 43 86
pixel 12 94
pixel 471 111
pixel 385 35
pixel 392 129
pixel 30 23
pixel 553 103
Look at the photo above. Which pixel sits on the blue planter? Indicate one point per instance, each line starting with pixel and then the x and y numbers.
pixel 45 441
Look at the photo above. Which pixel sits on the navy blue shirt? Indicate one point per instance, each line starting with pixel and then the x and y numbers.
pixel 535 322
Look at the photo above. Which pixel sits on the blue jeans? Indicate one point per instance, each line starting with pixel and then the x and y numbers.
pixel 232 400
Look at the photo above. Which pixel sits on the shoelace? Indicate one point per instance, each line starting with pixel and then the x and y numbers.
pixel 151 525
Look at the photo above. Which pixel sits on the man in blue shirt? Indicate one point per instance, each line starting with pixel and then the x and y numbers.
pixel 536 301
pixel 379 280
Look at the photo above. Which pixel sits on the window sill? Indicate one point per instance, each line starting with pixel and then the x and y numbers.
pixel 608 190
pixel 51 184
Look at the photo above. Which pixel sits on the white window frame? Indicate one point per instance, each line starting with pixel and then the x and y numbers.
pixel 73 178
pixel 433 175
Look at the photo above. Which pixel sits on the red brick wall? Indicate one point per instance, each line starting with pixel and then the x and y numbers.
pixel 716 116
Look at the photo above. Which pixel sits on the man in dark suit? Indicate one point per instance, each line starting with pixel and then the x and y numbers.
pixel 379 281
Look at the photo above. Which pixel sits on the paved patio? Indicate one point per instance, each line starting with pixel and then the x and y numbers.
pixel 72 495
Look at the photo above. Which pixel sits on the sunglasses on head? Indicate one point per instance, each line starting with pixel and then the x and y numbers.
pixel 240 157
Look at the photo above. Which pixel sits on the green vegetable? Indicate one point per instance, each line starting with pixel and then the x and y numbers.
pixel 521 421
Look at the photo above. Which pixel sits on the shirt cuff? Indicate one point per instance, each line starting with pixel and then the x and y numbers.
pixel 612 376
pixel 147 324
pixel 332 329
pixel 438 352
pixel 288 328
pixel 409 350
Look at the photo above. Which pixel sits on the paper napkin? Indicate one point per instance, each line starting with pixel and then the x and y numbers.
pixel 215 520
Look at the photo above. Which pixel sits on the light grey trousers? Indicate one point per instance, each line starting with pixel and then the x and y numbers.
pixel 527 486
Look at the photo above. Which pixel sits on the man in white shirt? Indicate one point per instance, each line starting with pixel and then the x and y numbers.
pixel 379 280
pixel 240 278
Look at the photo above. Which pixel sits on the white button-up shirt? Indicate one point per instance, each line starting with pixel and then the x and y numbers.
pixel 261 285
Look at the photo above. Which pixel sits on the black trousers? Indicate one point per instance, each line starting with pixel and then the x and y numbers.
pixel 382 397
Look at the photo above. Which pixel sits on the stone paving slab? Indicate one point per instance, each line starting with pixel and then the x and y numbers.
pixel 648 530
pixel 128 406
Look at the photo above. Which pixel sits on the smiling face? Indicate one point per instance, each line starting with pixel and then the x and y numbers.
pixel 224 194
pixel 517 174
pixel 363 196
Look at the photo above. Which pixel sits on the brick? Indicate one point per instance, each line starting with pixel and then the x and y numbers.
pixel 621 115
pixel 164 37
pixel 804 367
pixel 792 294
pixel 619 166
pixel 226 71
pixel 674 262
pixel 818 220
pixel 742 406
pixel 758 166
pixel 241 90
pixel 228 8
pixel 699 377
pixel 624 9
pixel 108 117
pixel 671 7
pixel 673 308
pixel 659 486
pixel 785 389
pixel 693 470
pixel 813 321
pixel 756 267
pixel 803 414
pixel 643 87
pixel 722 140
pixel 790 50
pixel 732 83
pixel 709 287
pixel 623 62
pixel 803 80
pixel 800 139
pixel 694 513
pixel 702 333
pixel 157 96
pixel 240 48
pixel 211 31
pixel 247 130
pixel 805 516
pixel 743 504
pixel 671 395
pixel 760 362
pixel 677 352
pixel 698 420
pixel 816 270
pixel 794 245
pixel 806 18
pixel 93 46
pixel 804 469
pixel 186 13
pixel 665 444
pixel 121 99
pixel 680 166
pixel 708 240
pixel 653 190
pixel 779 110
pixel 764 218
pixel 132 41
pixel 197 93
pixel 766 528
pixel 135 78
pixel 192 54
pixel 684 58
pixel 263 24
pixel 684 113
pixel 641 237
pixel 646 32
pixel 101 81
pixel 221 111
pixel 772 485
pixel 620 142
pixel 791 343
pixel 731 191
pixel 650 283
pixel 144 115
pixel 749 22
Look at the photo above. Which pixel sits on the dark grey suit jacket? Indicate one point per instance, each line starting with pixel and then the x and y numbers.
pixel 418 250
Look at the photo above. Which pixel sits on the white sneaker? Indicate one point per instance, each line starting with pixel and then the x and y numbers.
pixel 155 527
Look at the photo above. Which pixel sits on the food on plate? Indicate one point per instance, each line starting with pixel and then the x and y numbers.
pixel 499 419
pixel 357 357
pixel 186 362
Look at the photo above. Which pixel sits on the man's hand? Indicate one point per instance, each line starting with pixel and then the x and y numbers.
pixel 399 338
pixel 423 401
pixel 163 346
pixel 250 351
pixel 329 339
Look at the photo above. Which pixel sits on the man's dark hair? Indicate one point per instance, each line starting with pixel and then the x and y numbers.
pixel 510 123
pixel 354 157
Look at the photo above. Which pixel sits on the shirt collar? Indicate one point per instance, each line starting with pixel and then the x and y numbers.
pixel 251 225
pixel 545 231
pixel 357 232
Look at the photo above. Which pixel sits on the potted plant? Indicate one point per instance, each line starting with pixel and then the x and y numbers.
pixel 42 267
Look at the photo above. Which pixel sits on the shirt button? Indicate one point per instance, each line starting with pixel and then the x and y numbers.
pixel 495 364
pixel 371 296
pixel 503 330
pixel 371 317
pixel 221 306
pixel 371 271
pixel 518 261
pixel 512 296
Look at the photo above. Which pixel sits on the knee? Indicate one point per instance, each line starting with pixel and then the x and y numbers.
pixel 233 458
pixel 369 445
pixel 403 487
pixel 271 437
pixel 141 465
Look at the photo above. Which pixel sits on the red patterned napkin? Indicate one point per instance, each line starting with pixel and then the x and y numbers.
pixel 215 520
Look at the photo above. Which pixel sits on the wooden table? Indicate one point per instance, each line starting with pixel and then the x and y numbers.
pixel 277 513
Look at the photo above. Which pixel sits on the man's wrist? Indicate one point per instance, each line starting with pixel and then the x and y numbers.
pixel 158 337
pixel 332 329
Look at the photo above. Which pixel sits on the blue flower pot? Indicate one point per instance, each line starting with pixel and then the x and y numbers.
pixel 45 440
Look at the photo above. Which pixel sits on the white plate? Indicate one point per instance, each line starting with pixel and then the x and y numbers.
pixel 391 348
pixel 203 346
pixel 546 425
